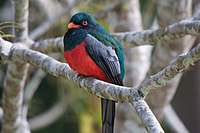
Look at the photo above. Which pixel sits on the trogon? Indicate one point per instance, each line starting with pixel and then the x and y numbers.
pixel 91 51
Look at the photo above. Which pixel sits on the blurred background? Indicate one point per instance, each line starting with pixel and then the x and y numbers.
pixel 60 106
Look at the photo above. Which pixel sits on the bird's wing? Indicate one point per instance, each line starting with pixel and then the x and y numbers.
pixel 105 57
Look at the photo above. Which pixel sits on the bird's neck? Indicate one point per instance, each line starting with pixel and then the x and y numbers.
pixel 73 37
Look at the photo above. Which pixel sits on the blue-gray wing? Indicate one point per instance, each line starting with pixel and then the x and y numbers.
pixel 105 57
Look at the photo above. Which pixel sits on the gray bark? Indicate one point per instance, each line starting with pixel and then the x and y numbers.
pixel 15 79
pixel 14 52
pixel 163 54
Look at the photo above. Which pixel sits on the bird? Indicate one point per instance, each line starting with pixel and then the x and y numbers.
pixel 91 51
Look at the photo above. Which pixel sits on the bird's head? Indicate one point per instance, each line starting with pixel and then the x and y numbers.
pixel 82 20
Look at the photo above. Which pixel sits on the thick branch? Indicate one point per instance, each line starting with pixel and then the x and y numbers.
pixel 97 87
pixel 100 88
pixel 56 68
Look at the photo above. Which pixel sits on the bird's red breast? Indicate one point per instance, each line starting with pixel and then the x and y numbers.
pixel 79 60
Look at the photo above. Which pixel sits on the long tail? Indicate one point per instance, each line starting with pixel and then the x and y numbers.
pixel 108 110
pixel 108 115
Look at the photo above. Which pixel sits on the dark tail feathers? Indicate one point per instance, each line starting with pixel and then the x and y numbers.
pixel 108 109
pixel 108 115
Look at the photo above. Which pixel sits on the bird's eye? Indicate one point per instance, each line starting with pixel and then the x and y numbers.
pixel 84 23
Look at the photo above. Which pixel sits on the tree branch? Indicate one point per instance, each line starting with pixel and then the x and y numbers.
pixel 151 37
pixel 132 39
pixel 103 89
pixel 15 78
pixel 94 86
pixel 21 18
pixel 146 115
pixel 165 52
pixel 106 90
pixel 13 53
pixel 10 52
pixel 162 77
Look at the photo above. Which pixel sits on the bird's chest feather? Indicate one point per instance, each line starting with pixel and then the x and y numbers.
pixel 79 60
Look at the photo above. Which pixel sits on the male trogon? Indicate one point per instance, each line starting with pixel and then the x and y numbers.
pixel 91 51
